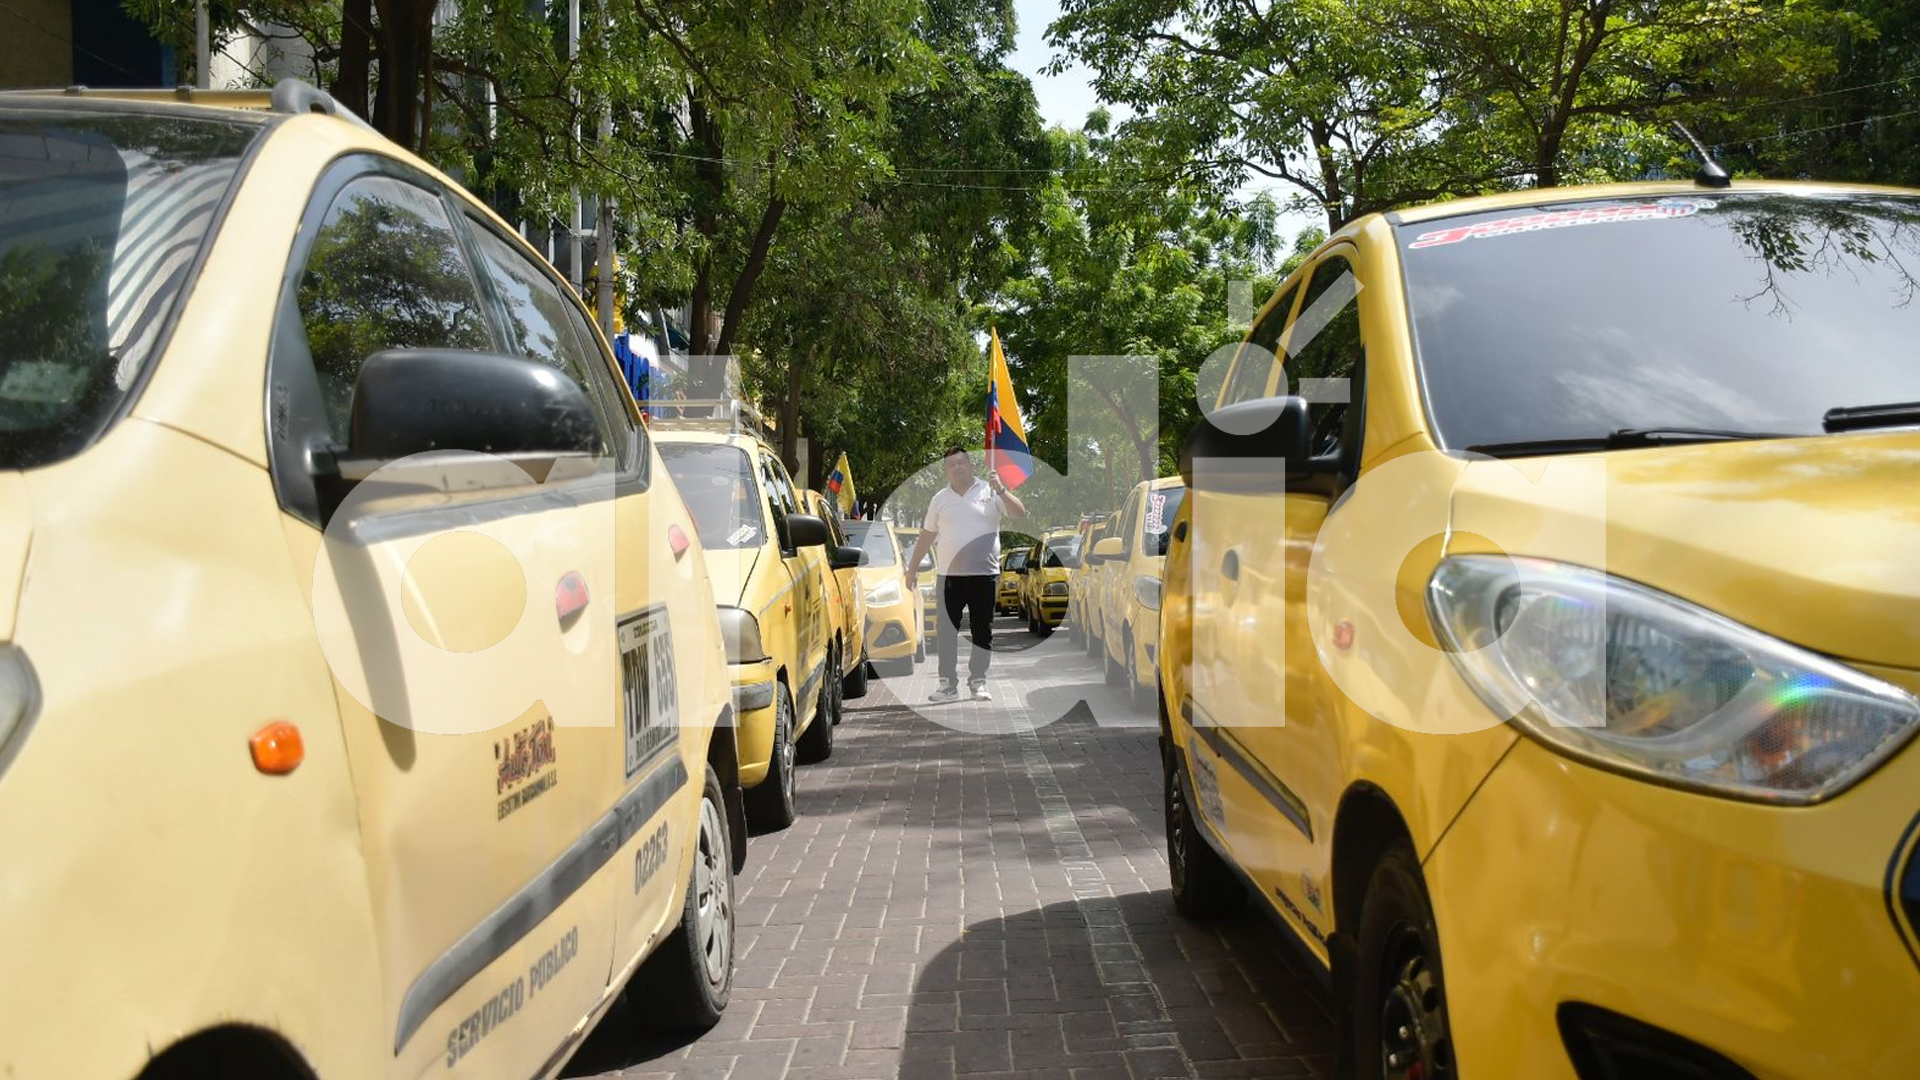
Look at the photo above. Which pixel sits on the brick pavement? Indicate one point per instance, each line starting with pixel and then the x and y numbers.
pixel 986 904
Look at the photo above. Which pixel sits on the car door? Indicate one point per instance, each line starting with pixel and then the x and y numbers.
pixel 1114 571
pixel 1299 757
pixel 493 941
pixel 1236 557
pixel 543 322
pixel 804 599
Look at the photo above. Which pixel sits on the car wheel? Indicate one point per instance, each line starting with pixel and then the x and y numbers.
pixel 1136 693
pixel 685 984
pixel 770 804
pixel 919 652
pixel 855 684
pixel 1399 1011
pixel 1203 883
pixel 1110 668
pixel 816 743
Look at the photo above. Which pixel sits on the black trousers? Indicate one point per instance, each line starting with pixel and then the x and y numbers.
pixel 972 593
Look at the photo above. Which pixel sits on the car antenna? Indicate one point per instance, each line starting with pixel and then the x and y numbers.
pixel 1711 173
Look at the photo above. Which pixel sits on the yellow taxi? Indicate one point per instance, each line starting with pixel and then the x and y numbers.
pixel 1044 589
pixel 771 563
pixel 929 604
pixel 360 710
pixel 895 636
pixel 1542 642
pixel 846 599
pixel 1080 582
pixel 1128 616
pixel 1013 565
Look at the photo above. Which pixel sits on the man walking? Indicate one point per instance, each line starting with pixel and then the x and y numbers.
pixel 963 527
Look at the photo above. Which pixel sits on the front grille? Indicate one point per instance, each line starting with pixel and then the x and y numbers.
pixel 1605 1045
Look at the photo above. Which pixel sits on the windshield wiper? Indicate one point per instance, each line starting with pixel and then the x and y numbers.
pixel 1620 439
pixel 1862 417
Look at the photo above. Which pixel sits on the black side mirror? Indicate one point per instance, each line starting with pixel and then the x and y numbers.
pixel 846 557
pixel 411 401
pixel 806 530
pixel 1278 445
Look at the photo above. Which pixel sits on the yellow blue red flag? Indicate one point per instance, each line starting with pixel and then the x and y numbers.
pixel 840 482
pixel 1007 452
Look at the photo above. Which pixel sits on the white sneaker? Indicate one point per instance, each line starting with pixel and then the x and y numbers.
pixel 979 692
pixel 947 692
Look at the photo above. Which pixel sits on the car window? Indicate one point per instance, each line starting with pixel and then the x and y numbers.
pixel 537 324
pixel 1126 526
pixel 1253 368
pixel 1731 311
pixel 1156 521
pixel 875 540
pixel 386 271
pixel 1323 344
pixel 101 219
pixel 716 482
pixel 780 497
pixel 596 354
pixel 1064 552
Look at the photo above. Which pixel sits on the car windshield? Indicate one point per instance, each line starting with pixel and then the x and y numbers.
pixel 874 540
pixel 1156 517
pixel 1730 312
pixel 716 481
pixel 1063 552
pixel 101 218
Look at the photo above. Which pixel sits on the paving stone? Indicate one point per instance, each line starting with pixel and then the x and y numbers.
pixel 985 902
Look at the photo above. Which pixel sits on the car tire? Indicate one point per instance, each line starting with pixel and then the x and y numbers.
pixel 855 684
pixel 1110 668
pixel 816 743
pixel 685 984
pixel 1399 1006
pixel 1203 884
pixel 1137 695
pixel 770 804
pixel 919 653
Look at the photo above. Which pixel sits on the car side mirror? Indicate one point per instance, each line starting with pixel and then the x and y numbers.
pixel 846 558
pixel 412 401
pixel 1107 550
pixel 806 530
pixel 1254 446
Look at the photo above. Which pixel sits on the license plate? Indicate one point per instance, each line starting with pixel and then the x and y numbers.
pixel 651 698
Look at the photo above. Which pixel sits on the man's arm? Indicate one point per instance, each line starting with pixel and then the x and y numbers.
pixel 920 548
pixel 1016 509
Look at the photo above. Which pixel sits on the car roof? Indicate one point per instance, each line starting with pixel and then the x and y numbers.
pixel 711 438
pixel 1508 200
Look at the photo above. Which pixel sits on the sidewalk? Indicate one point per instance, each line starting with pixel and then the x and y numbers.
pixel 987 902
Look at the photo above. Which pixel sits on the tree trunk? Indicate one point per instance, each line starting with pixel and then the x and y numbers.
pixel 406 38
pixel 750 273
pixel 790 415
pixel 356 53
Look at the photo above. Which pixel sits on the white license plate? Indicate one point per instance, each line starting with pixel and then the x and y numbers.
pixel 651 695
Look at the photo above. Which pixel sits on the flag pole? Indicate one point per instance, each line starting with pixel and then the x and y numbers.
pixel 992 379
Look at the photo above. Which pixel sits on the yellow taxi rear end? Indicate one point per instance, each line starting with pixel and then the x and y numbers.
pixel 1542 643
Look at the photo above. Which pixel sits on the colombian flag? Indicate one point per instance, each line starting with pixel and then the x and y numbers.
pixel 1007 452
pixel 841 484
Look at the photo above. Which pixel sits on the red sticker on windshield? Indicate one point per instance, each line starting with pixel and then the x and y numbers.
pixel 1560 219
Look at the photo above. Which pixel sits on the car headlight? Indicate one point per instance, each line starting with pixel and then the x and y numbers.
pixel 1638 681
pixel 741 632
pixel 19 700
pixel 1146 589
pixel 887 592
pixel 1058 588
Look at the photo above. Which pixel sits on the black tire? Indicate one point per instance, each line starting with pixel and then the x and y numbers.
pixel 816 743
pixel 919 652
pixel 1203 884
pixel 1399 1006
pixel 770 804
pixel 855 684
pixel 686 983
pixel 1110 668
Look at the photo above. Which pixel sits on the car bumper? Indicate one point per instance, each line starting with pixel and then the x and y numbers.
pixel 1764 934
pixel 755 699
pixel 890 632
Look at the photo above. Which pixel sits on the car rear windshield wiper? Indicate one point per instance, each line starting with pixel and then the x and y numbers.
pixel 1862 417
pixel 1620 439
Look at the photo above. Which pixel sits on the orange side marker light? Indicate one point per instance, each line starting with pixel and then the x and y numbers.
pixel 277 748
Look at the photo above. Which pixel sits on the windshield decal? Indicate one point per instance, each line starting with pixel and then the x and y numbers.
pixel 1661 210
pixel 742 535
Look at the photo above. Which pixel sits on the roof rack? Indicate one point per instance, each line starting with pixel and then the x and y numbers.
pixel 289 97
pixel 728 415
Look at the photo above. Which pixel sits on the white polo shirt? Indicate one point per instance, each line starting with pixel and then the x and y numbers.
pixel 966 529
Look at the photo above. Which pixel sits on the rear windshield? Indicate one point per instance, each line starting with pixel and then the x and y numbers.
pixel 716 482
pixel 101 218
pixel 1733 312
pixel 1156 517
pixel 874 539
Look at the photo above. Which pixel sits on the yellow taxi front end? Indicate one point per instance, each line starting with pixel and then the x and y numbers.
pixel 1007 596
pixel 1562 701
pixel 244 726
pixel 893 635
pixel 1044 593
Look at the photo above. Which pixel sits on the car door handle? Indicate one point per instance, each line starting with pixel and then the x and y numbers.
pixel 1230 566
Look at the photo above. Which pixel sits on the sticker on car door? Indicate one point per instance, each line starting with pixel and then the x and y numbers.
pixel 650 694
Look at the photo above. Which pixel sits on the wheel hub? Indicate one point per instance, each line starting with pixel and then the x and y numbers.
pixel 1413 1043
